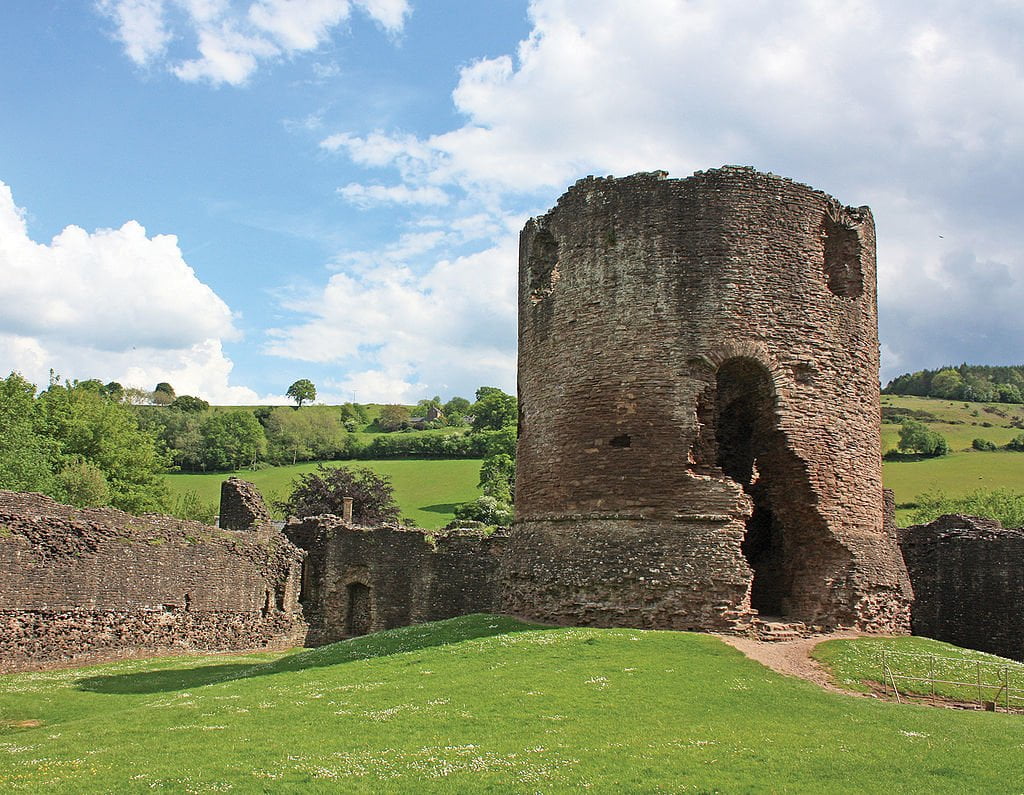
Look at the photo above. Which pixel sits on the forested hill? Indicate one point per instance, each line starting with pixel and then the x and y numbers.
pixel 978 382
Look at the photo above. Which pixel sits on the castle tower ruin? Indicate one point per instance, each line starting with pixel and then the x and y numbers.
pixel 699 409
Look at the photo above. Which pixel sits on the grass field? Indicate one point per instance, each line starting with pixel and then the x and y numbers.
pixel 427 490
pixel 484 704
pixel 964 470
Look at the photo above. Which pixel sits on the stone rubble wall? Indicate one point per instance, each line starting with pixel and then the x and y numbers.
pixel 635 295
pixel 968 579
pixel 94 583
pixel 412 575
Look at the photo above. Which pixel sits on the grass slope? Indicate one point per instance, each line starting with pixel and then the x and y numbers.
pixel 483 703
pixel 964 470
pixel 427 490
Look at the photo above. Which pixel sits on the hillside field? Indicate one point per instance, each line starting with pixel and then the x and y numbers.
pixel 484 703
pixel 426 489
pixel 964 470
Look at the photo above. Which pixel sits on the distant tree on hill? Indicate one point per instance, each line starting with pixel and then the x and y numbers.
pixel 983 383
pixel 113 391
pixel 455 410
pixel 232 440
pixel 394 417
pixel 163 394
pixel 324 491
pixel 189 403
pixel 493 409
pixel 916 437
pixel 302 391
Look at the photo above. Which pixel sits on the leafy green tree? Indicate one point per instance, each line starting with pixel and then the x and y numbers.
pixel 947 383
pixel 493 410
pixel 302 391
pixel 916 437
pixel 189 403
pixel 85 426
pixel 1003 505
pixel 393 418
pixel 163 394
pixel 232 439
pixel 323 492
pixel 455 411
pixel 82 484
pixel 487 510
pixel 303 435
pixel 25 453
pixel 497 477
pixel 113 391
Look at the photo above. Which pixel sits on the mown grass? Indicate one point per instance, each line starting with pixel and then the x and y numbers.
pixel 856 664
pixel 484 704
pixel 427 490
pixel 964 470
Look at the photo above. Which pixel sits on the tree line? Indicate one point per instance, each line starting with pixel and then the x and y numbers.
pixel 89 443
pixel 970 382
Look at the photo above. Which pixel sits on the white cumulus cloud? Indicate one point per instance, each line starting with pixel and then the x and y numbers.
pixel 233 37
pixel 113 304
pixel 913 108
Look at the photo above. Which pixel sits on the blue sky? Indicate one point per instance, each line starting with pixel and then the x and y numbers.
pixel 232 194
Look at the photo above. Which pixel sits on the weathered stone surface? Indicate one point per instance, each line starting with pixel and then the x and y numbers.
pixel 699 409
pixel 968 578
pixel 242 507
pixel 81 584
pixel 358 580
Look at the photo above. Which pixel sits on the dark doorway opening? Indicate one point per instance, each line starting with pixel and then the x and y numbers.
pixel 750 449
pixel 357 621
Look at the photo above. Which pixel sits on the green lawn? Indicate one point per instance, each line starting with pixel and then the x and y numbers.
pixel 964 470
pixel 484 704
pixel 427 490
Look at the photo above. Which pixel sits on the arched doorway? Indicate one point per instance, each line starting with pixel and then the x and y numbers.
pixel 358 616
pixel 750 450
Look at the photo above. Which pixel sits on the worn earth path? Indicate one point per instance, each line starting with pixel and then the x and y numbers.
pixel 791 657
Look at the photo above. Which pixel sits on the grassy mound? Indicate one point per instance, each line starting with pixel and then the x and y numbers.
pixel 482 704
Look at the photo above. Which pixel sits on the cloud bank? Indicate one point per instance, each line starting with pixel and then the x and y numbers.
pixel 913 108
pixel 233 38
pixel 113 304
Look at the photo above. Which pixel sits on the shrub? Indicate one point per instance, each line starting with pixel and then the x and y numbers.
pixel 915 437
pixel 487 510
pixel 983 444
pixel 1017 443
pixel 324 491
pixel 1003 505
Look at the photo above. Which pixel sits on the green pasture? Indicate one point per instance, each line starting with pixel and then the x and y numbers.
pixel 427 490
pixel 484 703
pixel 964 470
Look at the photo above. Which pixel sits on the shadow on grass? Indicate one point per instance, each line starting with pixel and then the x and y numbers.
pixel 441 507
pixel 381 644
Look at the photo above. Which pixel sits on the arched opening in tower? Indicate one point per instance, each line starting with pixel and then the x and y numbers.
pixel 357 621
pixel 751 451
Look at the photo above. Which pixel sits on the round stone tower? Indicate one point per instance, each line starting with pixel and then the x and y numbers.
pixel 699 409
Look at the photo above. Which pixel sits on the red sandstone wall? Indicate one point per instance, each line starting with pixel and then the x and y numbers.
pixel 633 294
pixel 99 582
pixel 411 576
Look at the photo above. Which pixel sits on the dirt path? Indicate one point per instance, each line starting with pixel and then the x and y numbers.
pixel 790 657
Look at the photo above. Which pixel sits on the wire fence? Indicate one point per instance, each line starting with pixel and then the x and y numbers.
pixel 990 685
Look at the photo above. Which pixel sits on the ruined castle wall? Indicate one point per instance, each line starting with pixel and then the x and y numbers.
pixel 696 357
pixel 80 584
pixel 360 580
pixel 968 579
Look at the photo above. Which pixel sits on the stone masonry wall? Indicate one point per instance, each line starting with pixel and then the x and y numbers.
pixel 358 580
pixel 93 583
pixel 699 409
pixel 242 507
pixel 968 579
